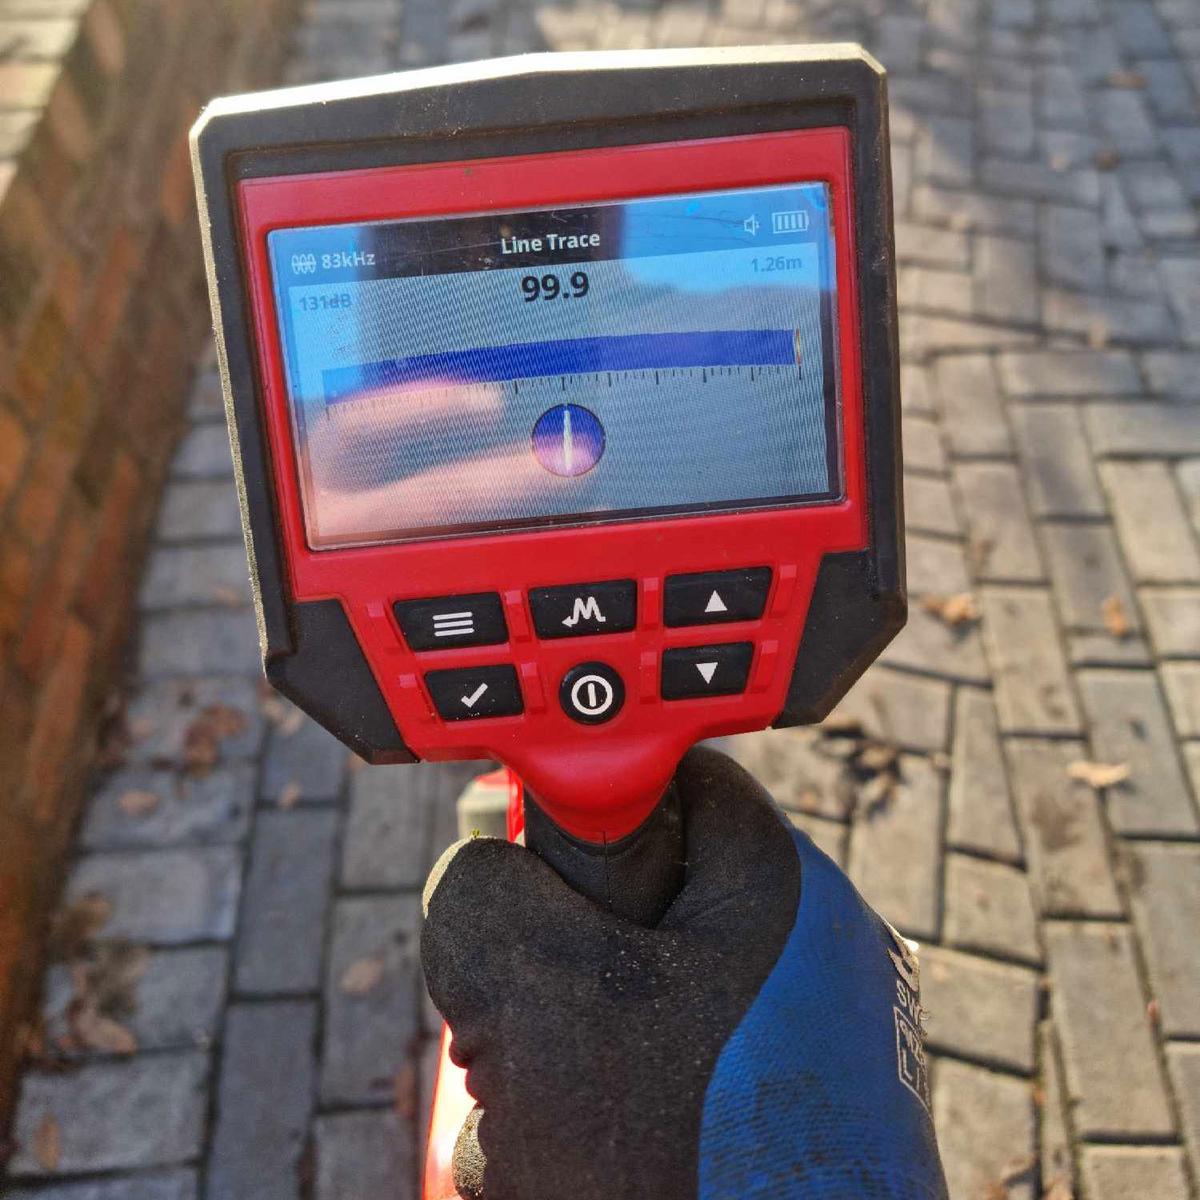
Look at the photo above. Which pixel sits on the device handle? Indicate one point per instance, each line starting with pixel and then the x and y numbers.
pixel 636 876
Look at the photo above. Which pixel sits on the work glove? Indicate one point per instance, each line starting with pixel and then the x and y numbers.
pixel 763 1041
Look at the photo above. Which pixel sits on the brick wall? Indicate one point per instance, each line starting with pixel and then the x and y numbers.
pixel 102 308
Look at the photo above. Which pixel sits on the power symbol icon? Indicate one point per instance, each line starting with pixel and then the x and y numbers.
pixel 591 693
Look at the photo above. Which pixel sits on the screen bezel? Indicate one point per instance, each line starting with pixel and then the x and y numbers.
pixel 827 250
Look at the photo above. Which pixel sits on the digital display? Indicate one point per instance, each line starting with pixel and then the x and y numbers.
pixel 604 361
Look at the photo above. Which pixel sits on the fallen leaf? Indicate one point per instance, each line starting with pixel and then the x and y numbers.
pixel 76 924
pixel 362 976
pixel 47 1144
pixel 1130 80
pixel 227 596
pixel 1059 1189
pixel 95 1031
pixel 1098 775
pixel 291 723
pixel 289 795
pixel 958 609
pixel 1106 159
pixel 1098 334
pixel 202 738
pixel 1116 619
pixel 1060 162
pixel 137 804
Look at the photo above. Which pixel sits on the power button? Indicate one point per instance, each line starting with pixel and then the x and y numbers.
pixel 591 693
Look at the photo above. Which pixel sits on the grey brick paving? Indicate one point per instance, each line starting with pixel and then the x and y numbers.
pixel 1046 173
pixel 264 1099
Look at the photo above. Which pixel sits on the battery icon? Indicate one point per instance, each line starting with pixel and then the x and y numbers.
pixel 795 221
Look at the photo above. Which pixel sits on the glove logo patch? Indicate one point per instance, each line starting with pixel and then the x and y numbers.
pixel 911 1063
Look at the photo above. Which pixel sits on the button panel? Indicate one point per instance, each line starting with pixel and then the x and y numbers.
pixel 592 693
pixel 584 608
pixel 444 622
pixel 713 597
pixel 692 671
pixel 472 693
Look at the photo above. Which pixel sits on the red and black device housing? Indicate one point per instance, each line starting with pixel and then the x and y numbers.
pixel 536 131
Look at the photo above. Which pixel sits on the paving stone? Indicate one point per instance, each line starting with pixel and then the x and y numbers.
pixel 164 896
pixel 204 808
pixel 1183 1064
pixel 362 1155
pixel 1164 889
pixel 922 335
pixel 986 1126
pixel 930 246
pixel 909 712
pixel 1113 1078
pixel 386 841
pixel 1187 474
pixel 1104 650
pixel 931 290
pixel 923 450
pixel 145 1112
pixel 916 391
pixel 946 150
pixel 1087 574
pixel 1001 537
pixel 1071 250
pixel 929 505
pixel 830 837
pixel 198 642
pixel 971 408
pixel 1033 691
pixel 204 454
pixel 264 1102
pixel 1181 277
pixel 303 756
pixel 366 1035
pixel 1158 544
pixel 1063 830
pixel 904 829
pixel 178 999
pixel 1107 318
pixel 150 1185
pixel 971 211
pixel 1124 121
pixel 1182 684
pixel 1135 272
pixel 1084 373
pixel 1133 1172
pixel 196 509
pixel 287 894
pixel 1060 480
pixel 1162 430
pixel 935 566
pixel 1173 615
pixel 1039 181
pixel 1006 284
pixel 1129 724
pixel 929 644
pixel 800 774
pixel 978 1009
pixel 1173 373
pixel 1006 121
pixel 989 909
pixel 163 716
pixel 201 575
pixel 981 817
pixel 1054 1138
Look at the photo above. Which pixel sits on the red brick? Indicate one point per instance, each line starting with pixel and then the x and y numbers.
pixel 56 720
pixel 68 120
pixel 98 588
pixel 16 578
pixel 14 449
pixel 177 197
pixel 111 294
pixel 105 36
pixel 41 497
pixel 25 245
pixel 41 357
pixel 62 564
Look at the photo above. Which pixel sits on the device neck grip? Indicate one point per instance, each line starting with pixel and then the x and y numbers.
pixel 636 876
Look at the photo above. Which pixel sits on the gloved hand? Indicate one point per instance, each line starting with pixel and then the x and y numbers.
pixel 762 1042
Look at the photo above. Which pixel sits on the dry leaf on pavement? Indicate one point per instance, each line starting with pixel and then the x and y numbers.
pixel 137 803
pixel 1116 619
pixel 955 610
pixel 289 795
pixel 94 1031
pixel 76 924
pixel 47 1144
pixel 1132 80
pixel 1099 775
pixel 202 739
pixel 362 976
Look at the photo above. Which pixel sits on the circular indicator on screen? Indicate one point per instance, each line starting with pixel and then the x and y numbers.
pixel 568 439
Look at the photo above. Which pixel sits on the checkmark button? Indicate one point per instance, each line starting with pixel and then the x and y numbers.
pixel 473 693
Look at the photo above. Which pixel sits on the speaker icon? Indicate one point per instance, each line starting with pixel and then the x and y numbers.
pixel 751 225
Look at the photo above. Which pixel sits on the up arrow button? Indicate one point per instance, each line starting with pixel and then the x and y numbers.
pixel 715 604
pixel 715 597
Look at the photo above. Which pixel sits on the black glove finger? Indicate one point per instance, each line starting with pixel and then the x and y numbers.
pixel 742 868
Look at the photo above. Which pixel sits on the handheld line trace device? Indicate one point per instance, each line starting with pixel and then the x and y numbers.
pixel 564 405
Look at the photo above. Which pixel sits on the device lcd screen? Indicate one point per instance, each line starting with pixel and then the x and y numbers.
pixel 602 361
